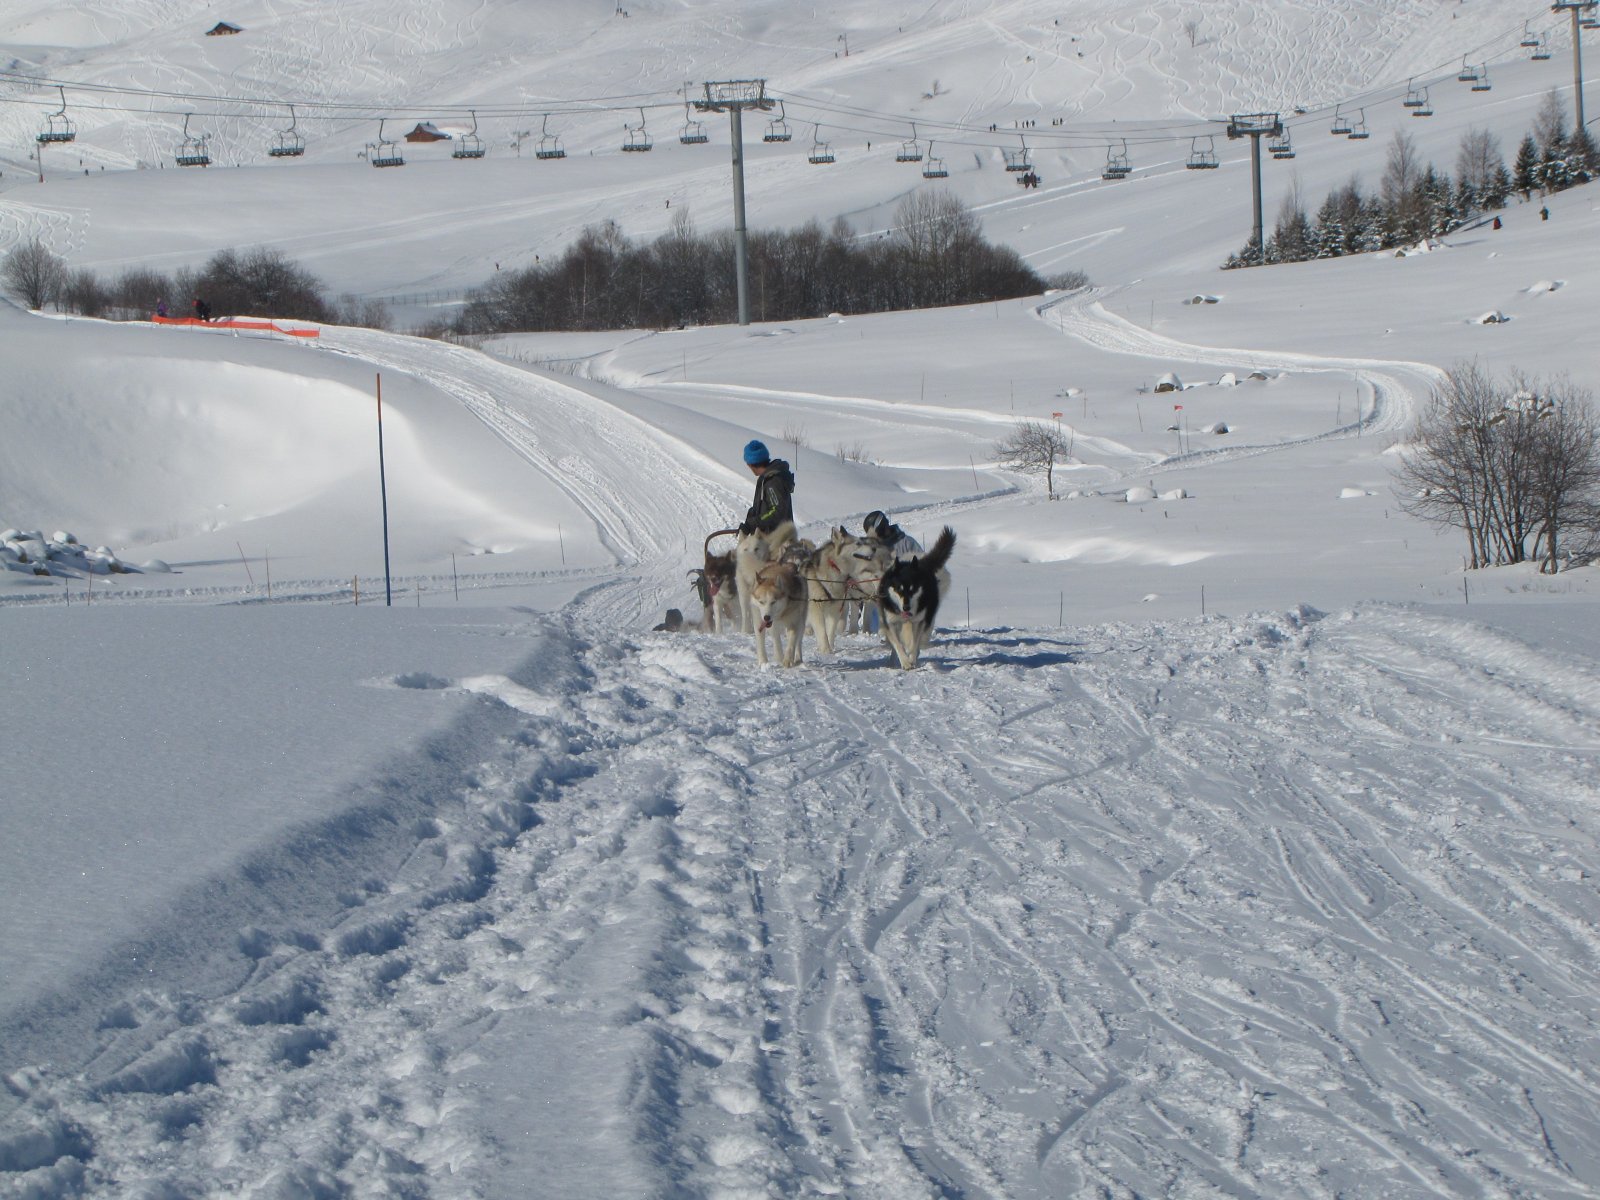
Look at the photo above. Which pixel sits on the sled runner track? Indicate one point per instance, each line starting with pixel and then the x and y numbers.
pixel 579 442
pixel 1398 387
pixel 1172 917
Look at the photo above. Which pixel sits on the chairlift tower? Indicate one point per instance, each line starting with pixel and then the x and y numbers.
pixel 1583 15
pixel 1256 126
pixel 734 97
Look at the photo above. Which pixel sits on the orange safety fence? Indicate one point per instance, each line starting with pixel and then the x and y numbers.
pixel 237 323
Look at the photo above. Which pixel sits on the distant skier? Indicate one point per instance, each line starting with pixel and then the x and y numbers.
pixel 1544 213
pixel 202 310
pixel 161 308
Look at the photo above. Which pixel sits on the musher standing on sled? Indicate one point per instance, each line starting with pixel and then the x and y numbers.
pixel 773 504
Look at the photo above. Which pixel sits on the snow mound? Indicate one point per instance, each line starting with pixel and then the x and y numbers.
pixel 1175 494
pixel 1546 285
pixel 1138 495
pixel 1217 427
pixel 1204 300
pixel 1229 379
pixel 1353 493
pixel 1492 317
pixel 1169 383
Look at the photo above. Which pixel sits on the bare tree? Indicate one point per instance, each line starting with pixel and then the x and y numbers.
pixel 1478 160
pixel 1035 447
pixel 1192 27
pixel 1513 464
pixel 33 274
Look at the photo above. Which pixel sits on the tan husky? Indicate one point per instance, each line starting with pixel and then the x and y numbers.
pixel 778 604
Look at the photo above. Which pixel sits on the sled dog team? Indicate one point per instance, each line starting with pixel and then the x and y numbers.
pixel 773 582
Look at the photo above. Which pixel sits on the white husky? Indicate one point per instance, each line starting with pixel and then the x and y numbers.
pixel 754 551
pixel 836 576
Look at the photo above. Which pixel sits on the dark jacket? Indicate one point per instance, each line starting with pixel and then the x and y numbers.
pixel 773 504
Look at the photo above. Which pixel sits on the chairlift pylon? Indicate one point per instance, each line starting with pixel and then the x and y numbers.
pixel 192 151
pixel 1202 158
pixel 383 152
pixel 289 144
pixel 1341 125
pixel 934 168
pixel 778 130
pixel 549 143
pixel 58 127
pixel 911 151
pixel 1359 131
pixel 1018 160
pixel 638 138
pixel 470 145
pixel 821 153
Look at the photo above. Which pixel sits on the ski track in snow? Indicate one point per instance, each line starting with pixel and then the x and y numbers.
pixel 1153 910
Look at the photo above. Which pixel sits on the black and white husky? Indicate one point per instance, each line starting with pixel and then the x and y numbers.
pixel 909 594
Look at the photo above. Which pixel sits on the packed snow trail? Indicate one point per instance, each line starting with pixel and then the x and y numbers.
pixel 1277 906
pixel 1397 387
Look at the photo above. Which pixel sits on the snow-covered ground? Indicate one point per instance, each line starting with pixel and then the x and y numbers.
pixel 1229 842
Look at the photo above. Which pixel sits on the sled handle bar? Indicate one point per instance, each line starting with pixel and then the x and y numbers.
pixel 715 534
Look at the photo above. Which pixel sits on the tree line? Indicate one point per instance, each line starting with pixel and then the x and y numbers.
pixel 259 282
pixel 1415 200
pixel 935 255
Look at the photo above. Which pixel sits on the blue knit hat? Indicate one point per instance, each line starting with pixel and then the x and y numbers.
pixel 755 454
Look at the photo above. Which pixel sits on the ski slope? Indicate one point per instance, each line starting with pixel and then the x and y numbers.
pixel 1233 842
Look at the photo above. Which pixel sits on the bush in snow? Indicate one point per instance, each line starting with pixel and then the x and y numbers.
pixel 32 273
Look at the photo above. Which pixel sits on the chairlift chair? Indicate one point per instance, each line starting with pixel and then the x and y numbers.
pixel 1530 40
pixel 58 127
pixel 1019 160
pixel 693 132
pixel 384 153
pixel 1203 158
pixel 549 143
pixel 1283 147
pixel 1415 98
pixel 192 151
pixel 1117 166
pixel 1467 74
pixel 1341 125
pixel 1425 109
pixel 1542 54
pixel 638 138
pixel 1359 132
pixel 934 168
pixel 911 151
pixel 470 145
pixel 821 153
pixel 1483 79
pixel 289 144
pixel 778 131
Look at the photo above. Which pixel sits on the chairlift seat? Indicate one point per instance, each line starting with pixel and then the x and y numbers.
pixel 1017 160
pixel 56 135
pixel 1360 134
pixel 286 151
pixel 935 169
pixel 389 160
pixel 192 158
pixel 820 156
pixel 693 136
pixel 1422 112
pixel 1341 129
pixel 908 152
pixel 637 142
pixel 778 132
pixel 550 149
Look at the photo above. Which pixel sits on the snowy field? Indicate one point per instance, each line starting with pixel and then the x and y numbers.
pixel 1232 842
